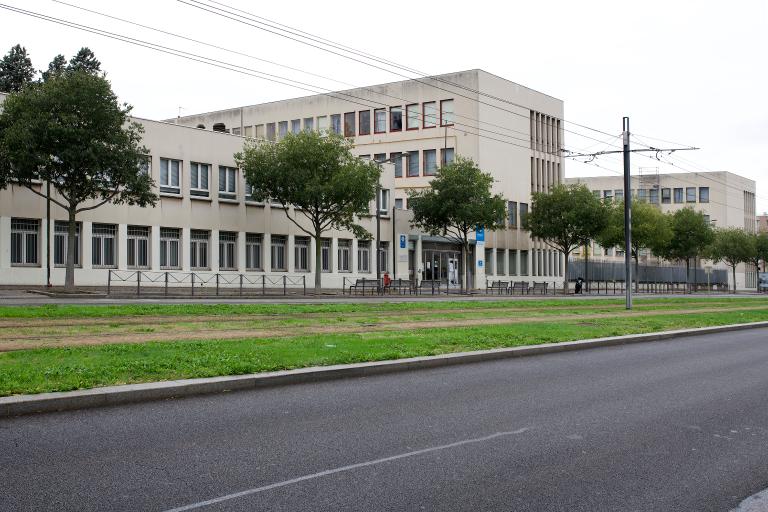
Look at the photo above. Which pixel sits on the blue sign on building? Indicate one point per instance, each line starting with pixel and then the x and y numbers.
pixel 402 241
pixel 479 263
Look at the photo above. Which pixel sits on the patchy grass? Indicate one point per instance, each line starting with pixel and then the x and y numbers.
pixel 62 369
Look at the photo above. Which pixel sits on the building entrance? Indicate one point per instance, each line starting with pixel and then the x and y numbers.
pixel 442 266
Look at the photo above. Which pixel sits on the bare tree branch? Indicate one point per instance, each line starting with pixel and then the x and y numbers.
pixel 108 199
pixel 45 196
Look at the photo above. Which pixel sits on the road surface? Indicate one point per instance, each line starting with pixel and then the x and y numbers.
pixel 673 425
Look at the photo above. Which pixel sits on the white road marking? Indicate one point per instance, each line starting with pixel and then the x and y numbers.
pixel 755 503
pixel 343 469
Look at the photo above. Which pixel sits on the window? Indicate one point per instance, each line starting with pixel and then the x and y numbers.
pixel 325 254
pixel 295 125
pixel 653 196
pixel 430 114
pixel 707 219
pixel 430 162
pixel 198 179
pixel 309 124
pixel 363 256
pixel 365 122
pixel 349 124
pixel 383 256
pixel 322 123
pixel 413 164
pixel 397 161
pixel 399 203
pixel 690 194
pixel 608 195
pixel 138 247
pixel 301 253
pixel 379 120
pixel 227 250
pixel 380 157
pixel 336 123
pixel 412 117
pixel 198 249
pixel 446 113
pixel 277 250
pixel 249 194
pixel 618 194
pixel 642 194
pixel 227 182
pixel 513 262
pixel 259 131
pixel 523 263
pixel 489 261
pixel 145 165
pixel 253 245
pixel 523 213
pixel 271 134
pixel 703 194
pixel 384 201
pixel 678 195
pixel 103 245
pixel 395 119
pixel 169 247
pixel 248 131
pixel 501 259
pixel 344 249
pixel 170 173
pixel 364 157
pixel 282 129
pixel 61 241
pixel 446 156
pixel 666 195
pixel 512 212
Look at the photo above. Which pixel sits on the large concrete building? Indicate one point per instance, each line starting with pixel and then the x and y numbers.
pixel 511 131
pixel 726 200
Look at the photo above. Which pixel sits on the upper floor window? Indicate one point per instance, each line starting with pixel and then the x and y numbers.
pixel 384 201
pixel 446 113
pixel 295 125
pixel 430 162
pixel 145 164
pixel 690 195
pixel 397 161
pixel 413 164
pixel 379 120
pixel 336 123
pixel 666 196
pixel 653 196
pixel 446 156
pixel 365 122
pixel 198 179
pixel 523 213
pixel 349 124
pixel 678 195
pixel 271 133
pixel 227 182
pixel 412 117
pixel 170 174
pixel 282 129
pixel 512 211
pixel 395 119
pixel 430 114
pixel 703 194
pixel 309 124
pixel 322 123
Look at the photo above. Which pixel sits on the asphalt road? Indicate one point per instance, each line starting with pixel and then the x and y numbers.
pixel 668 426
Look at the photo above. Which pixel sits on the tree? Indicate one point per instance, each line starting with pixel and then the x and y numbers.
pixel 86 61
pixel 317 175
pixel 731 246
pixel 457 202
pixel 56 67
pixel 566 217
pixel 691 235
pixel 16 70
pixel 758 252
pixel 650 230
pixel 72 133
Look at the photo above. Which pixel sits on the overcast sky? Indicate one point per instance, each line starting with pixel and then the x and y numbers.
pixel 692 72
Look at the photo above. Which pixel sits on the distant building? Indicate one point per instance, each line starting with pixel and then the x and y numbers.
pixel 762 223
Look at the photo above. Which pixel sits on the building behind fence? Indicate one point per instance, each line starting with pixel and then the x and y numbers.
pixel 609 271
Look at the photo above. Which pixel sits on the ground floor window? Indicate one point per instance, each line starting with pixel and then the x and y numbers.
pixel 25 239
pixel 170 239
pixel 61 242
pixel 198 249
pixel 363 256
pixel 301 254
pixel 277 247
pixel 383 256
pixel 513 262
pixel 501 262
pixel 344 254
pixel 228 250
pixel 103 244
pixel 523 263
pixel 253 248
pixel 325 254
pixel 489 261
pixel 138 247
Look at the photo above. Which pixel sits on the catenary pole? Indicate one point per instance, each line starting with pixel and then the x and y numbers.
pixel 627 218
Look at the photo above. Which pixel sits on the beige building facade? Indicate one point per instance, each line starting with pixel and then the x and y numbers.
pixel 726 200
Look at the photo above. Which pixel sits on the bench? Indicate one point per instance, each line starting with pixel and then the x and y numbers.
pixel 400 286
pixel 520 287
pixel 540 288
pixel 431 286
pixel 362 284
pixel 498 286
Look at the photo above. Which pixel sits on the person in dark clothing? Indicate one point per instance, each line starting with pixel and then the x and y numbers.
pixel 579 285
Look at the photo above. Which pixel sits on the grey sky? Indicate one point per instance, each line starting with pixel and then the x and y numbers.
pixel 687 71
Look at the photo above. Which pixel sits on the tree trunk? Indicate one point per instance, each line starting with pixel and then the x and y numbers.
pixel 586 269
pixel 465 273
pixel 565 277
pixel 69 279
pixel 318 262
pixel 734 279
pixel 688 274
pixel 637 275
pixel 463 268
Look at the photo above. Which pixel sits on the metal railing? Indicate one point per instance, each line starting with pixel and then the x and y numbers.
pixel 203 283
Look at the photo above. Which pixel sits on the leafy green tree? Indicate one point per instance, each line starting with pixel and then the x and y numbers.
pixel 318 175
pixel 731 246
pixel 650 230
pixel 758 252
pixel 566 217
pixel 56 67
pixel 86 61
pixel 72 133
pixel 16 70
pixel 691 235
pixel 457 202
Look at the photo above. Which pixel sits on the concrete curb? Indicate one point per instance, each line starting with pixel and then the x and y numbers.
pixel 132 393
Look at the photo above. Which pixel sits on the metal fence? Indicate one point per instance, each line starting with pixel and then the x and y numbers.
pixel 609 271
pixel 140 282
